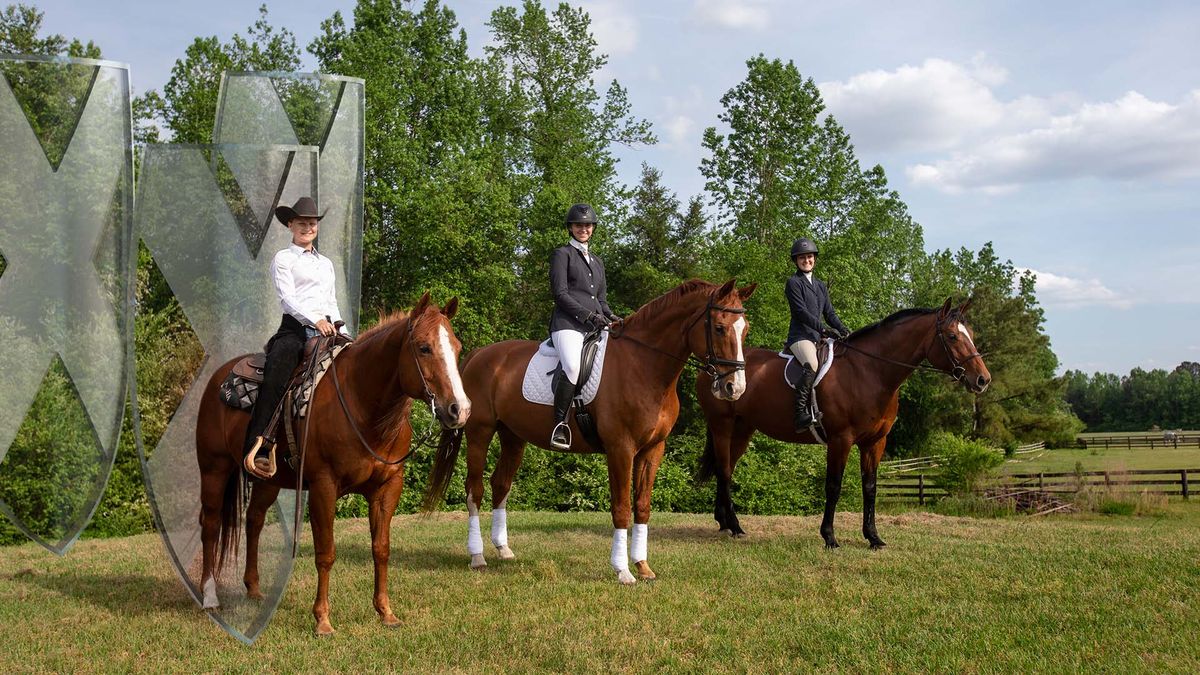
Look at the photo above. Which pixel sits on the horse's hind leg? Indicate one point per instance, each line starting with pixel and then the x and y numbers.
pixel 321 497
pixel 383 505
pixel 262 496
pixel 645 469
pixel 477 447
pixel 836 454
pixel 214 482
pixel 869 462
pixel 512 450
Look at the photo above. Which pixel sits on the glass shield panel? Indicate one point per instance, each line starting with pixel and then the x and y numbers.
pixel 65 223
pixel 311 109
pixel 206 216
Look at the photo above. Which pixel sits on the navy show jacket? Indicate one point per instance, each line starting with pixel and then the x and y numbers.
pixel 808 303
pixel 579 289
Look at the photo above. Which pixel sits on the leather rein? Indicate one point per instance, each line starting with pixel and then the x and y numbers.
pixel 711 361
pixel 957 371
pixel 423 441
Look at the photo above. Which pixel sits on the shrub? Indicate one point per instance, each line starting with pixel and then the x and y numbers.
pixel 965 462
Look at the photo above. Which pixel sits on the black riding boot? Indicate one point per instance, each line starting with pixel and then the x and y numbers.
pixel 804 386
pixel 564 389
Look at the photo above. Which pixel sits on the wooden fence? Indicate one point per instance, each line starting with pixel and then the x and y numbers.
pixel 1144 441
pixel 1174 482
pixel 897 466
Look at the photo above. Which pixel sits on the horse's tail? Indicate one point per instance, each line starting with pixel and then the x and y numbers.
pixel 707 467
pixel 231 518
pixel 443 469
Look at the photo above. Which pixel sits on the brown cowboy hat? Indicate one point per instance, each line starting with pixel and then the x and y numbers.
pixel 304 207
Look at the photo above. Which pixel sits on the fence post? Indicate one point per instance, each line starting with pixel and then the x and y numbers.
pixel 1128 443
pixel 921 489
pixel 1184 481
pixel 1107 482
pixel 1041 484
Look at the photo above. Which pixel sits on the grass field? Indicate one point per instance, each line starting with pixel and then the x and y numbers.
pixel 948 594
pixel 1099 459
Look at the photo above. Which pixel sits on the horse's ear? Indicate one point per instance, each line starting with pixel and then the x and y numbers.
pixel 726 289
pixel 451 308
pixel 421 304
pixel 945 310
pixel 962 309
pixel 746 291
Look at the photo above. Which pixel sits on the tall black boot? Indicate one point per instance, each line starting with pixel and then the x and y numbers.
pixel 564 389
pixel 803 417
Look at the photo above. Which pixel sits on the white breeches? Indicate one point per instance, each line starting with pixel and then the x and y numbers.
pixel 569 345
pixel 806 352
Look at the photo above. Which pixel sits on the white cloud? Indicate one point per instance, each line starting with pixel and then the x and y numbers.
pixel 1056 291
pixel 934 106
pixel 613 26
pixel 678 118
pixel 736 14
pixel 977 141
pixel 678 128
pixel 1132 137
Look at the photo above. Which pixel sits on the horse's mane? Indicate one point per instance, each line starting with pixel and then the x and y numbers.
pixel 894 318
pixel 390 426
pixel 667 300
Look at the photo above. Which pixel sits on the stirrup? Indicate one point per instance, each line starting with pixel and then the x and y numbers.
pixel 553 432
pixel 260 467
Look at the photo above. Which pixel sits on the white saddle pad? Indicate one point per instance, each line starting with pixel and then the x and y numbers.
pixel 536 386
pixel 821 370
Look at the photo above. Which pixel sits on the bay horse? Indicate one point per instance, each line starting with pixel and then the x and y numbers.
pixel 357 436
pixel 635 407
pixel 858 397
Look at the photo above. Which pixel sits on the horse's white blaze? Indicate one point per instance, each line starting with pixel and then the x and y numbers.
pixel 739 378
pixel 474 538
pixel 963 329
pixel 456 385
pixel 210 594
pixel 619 556
pixel 637 550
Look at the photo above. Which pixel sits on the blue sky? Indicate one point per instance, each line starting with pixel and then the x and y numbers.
pixel 1066 133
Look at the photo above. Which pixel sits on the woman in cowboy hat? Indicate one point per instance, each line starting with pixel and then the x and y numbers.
pixel 808 299
pixel 304 282
pixel 580 306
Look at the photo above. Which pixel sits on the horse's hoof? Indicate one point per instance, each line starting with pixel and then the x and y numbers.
pixel 389 620
pixel 738 535
pixel 254 594
pixel 324 628
pixel 644 571
pixel 830 545
pixel 505 552
pixel 625 577
pixel 477 562
pixel 877 545
pixel 725 530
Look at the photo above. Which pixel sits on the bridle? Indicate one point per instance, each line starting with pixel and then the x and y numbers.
pixel 957 372
pixel 423 441
pixel 711 360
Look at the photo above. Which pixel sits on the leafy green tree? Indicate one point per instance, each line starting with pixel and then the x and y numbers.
pixel 782 169
pixel 558 131
pixel 440 209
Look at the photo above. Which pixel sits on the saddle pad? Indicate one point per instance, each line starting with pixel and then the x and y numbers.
pixel 791 370
pixel 536 385
pixel 305 389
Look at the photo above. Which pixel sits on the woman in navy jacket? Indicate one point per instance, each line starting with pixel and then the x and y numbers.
pixel 580 306
pixel 808 299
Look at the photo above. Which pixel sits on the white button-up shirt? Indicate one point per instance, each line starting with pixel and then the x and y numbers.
pixel 304 281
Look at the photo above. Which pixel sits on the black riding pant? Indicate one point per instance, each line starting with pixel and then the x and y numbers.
pixel 284 350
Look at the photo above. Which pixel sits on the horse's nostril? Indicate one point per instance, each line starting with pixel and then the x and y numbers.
pixel 453 410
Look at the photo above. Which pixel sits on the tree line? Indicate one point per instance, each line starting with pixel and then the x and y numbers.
pixel 1139 401
pixel 472 162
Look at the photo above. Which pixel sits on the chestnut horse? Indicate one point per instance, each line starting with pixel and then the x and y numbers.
pixel 356 438
pixel 859 397
pixel 634 409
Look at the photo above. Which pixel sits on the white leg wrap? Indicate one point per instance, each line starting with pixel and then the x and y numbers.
pixel 499 527
pixel 637 551
pixel 474 538
pixel 210 594
pixel 620 550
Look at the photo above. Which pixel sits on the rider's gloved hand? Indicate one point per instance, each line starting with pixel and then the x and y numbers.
pixel 597 320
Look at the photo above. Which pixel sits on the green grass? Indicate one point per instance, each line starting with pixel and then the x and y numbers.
pixel 1099 459
pixel 948 594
